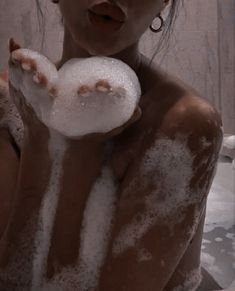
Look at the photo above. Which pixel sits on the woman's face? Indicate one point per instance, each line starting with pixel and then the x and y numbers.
pixel 139 15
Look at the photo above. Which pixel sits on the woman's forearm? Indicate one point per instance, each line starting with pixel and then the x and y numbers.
pixel 55 178
pixel 9 165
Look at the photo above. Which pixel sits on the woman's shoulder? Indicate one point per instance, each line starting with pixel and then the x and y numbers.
pixel 180 106
pixel 190 111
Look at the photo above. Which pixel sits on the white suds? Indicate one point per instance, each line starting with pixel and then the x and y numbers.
pixel 230 235
pixel 209 262
pixel 218 239
pixel 163 162
pixel 57 147
pixel 205 143
pixel 229 141
pixel 192 282
pixel 96 229
pixel 206 241
pixel 144 255
pixel 110 97
pixel 96 111
pixel 167 168
pixel 17 274
pixel 95 236
pixel 230 288
pixel 11 118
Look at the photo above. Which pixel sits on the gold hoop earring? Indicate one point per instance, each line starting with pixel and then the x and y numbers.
pixel 161 25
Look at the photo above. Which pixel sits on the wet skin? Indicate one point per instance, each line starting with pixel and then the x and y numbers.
pixel 169 109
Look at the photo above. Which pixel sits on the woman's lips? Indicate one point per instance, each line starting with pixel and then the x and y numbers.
pixel 108 9
pixel 106 17
pixel 104 23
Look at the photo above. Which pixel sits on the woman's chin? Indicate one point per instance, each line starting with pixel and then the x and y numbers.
pixel 102 51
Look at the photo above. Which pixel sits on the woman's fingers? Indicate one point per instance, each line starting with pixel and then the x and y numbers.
pixel 12 45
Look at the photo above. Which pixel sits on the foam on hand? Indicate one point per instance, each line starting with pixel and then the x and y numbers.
pixel 87 95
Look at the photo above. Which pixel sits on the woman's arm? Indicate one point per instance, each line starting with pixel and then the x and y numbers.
pixel 162 199
pixel 9 165
pixel 9 160
pixel 56 174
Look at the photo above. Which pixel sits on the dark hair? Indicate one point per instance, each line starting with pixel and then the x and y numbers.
pixel 167 29
pixel 41 22
pixel 163 41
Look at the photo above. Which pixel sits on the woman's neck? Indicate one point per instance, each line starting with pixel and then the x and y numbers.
pixel 130 55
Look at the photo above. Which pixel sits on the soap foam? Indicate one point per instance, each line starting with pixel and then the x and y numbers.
pixel 144 255
pixel 35 95
pixel 57 148
pixel 230 288
pixel 209 262
pixel 98 112
pixel 192 282
pixel 69 112
pixel 11 118
pixel 162 162
pixel 17 274
pixel 95 236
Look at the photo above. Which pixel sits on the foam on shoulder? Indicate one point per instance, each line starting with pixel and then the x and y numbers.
pixel 171 162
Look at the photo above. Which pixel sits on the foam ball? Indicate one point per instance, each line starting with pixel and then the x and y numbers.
pixel 87 95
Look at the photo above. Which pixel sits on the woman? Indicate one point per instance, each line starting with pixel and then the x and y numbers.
pixel 163 161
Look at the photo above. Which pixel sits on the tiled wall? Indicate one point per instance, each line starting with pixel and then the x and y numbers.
pixel 19 19
pixel 200 50
pixel 226 21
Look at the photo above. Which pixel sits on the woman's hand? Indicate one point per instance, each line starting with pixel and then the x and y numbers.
pixel 22 68
pixel 35 88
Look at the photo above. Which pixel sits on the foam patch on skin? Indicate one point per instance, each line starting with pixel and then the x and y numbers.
pixel 17 274
pixel 209 262
pixel 96 229
pixel 73 110
pixel 230 288
pixel 28 266
pixel 57 148
pixel 192 282
pixel 171 163
pixel 69 110
pixel 10 116
pixel 95 236
pixel 144 255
